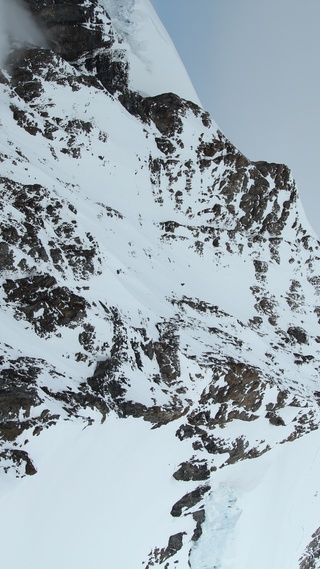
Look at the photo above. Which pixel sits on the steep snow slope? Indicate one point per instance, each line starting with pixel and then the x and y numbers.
pixel 107 505
pixel 155 66
pixel 264 515
pixel 160 336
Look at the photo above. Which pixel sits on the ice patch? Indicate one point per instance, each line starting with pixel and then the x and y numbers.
pixel 222 513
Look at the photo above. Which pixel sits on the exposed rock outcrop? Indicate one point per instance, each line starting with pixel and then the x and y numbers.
pixel 149 270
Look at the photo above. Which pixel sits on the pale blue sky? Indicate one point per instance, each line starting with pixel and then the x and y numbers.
pixel 255 66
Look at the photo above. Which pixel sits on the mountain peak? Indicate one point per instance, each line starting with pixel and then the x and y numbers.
pixel 160 311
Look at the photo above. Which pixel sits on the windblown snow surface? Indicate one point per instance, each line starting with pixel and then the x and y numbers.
pixel 104 489
pixel 155 66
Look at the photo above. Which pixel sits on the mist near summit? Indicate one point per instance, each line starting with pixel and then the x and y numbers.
pixel 17 27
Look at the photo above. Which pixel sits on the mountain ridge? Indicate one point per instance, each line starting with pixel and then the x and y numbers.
pixel 154 278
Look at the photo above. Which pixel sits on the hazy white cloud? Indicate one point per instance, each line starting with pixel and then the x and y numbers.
pixel 17 27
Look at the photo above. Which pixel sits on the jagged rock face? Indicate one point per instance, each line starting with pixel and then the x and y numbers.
pixel 151 270
pixel 66 25
pixel 81 32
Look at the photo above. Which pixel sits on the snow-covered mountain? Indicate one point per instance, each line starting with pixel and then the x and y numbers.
pixel 160 315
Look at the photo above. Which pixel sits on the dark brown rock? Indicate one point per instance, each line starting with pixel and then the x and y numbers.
pixel 166 355
pixel 65 29
pixel 275 419
pixel 192 470
pixel 260 266
pixel 311 556
pixel 298 334
pixel 21 460
pixel 189 500
pixel 243 387
pixel 45 304
pixel 166 111
pixel 238 450
pixel 175 543
pixel 78 32
pixel 165 145
pixel 6 257
pixel 199 517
